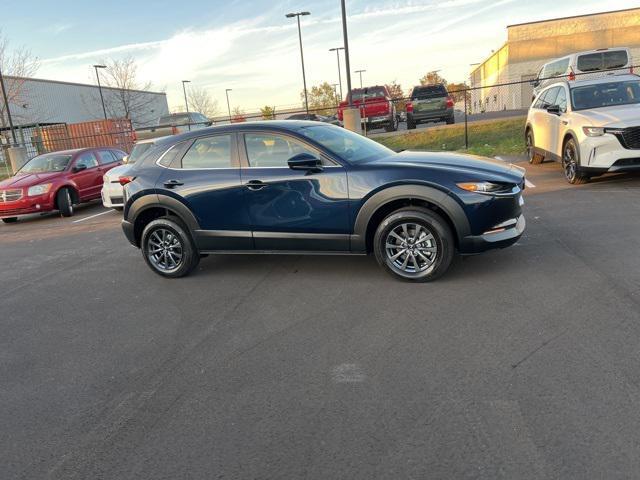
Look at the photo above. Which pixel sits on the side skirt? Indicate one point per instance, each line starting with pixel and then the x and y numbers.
pixel 278 252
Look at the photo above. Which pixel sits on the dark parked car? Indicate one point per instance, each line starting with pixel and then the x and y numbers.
pixel 307 187
pixel 429 103
pixel 315 118
pixel 56 181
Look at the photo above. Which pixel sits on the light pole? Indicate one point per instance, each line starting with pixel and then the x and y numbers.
pixel 104 110
pixel 337 50
pixel 335 91
pixel 304 78
pixel 6 106
pixel 228 104
pixel 360 72
pixel 186 102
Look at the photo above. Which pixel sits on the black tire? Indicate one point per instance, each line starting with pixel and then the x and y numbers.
pixel 118 209
pixel 392 125
pixel 411 124
pixel 571 163
pixel 533 157
pixel 10 220
pixel 64 200
pixel 172 237
pixel 436 247
pixel 450 120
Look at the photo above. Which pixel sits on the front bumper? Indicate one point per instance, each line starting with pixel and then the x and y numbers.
pixel 375 120
pixel 500 238
pixel 606 154
pixel 26 206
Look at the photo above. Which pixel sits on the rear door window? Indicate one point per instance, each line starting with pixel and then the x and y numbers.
pixel 87 159
pixel 268 150
pixel 209 152
pixel 105 157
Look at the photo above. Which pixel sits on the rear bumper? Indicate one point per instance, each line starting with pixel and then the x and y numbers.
pixel 112 195
pixel 127 228
pixel 488 241
pixel 426 116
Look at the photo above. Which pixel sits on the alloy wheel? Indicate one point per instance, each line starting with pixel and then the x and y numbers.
pixel 569 162
pixel 165 250
pixel 530 152
pixel 411 248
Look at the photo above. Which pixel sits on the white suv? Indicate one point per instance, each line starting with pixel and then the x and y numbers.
pixel 591 126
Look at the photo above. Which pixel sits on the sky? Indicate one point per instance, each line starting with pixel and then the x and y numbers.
pixel 250 47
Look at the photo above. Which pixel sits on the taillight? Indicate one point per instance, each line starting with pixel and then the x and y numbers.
pixel 409 107
pixel 124 179
pixel 572 75
pixel 449 102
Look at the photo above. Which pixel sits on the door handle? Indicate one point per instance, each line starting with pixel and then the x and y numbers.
pixel 173 183
pixel 256 185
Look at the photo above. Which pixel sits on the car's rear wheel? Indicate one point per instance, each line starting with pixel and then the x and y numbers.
pixel 392 125
pixel 414 244
pixel 65 202
pixel 168 248
pixel 533 157
pixel 10 220
pixel 450 120
pixel 571 163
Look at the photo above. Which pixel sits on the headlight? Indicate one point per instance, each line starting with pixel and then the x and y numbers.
pixel 593 131
pixel 486 187
pixel 38 189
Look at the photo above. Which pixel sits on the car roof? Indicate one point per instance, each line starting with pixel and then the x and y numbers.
pixel 274 125
pixel 75 151
pixel 594 81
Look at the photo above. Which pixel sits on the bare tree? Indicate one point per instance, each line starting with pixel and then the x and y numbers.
pixel 19 64
pixel 200 101
pixel 126 96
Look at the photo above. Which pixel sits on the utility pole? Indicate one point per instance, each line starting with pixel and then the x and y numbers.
pixel 228 104
pixel 304 78
pixel 337 50
pixel 186 102
pixel 104 110
pixel 6 106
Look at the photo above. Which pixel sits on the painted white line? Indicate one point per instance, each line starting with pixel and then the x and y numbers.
pixel 92 216
pixel 528 184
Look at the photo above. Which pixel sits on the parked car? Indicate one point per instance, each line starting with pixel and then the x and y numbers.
pixel 112 193
pixel 590 126
pixel 308 187
pixel 173 124
pixel 377 109
pixel 583 64
pixel 429 103
pixel 314 117
pixel 56 181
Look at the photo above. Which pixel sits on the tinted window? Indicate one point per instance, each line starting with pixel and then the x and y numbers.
pixel 170 157
pixel 270 150
pixel 105 156
pixel 429 91
pixel 178 119
pixel 138 151
pixel 370 92
pixel 561 99
pixel 605 94
pixel 590 62
pixel 615 59
pixel 209 152
pixel 119 154
pixel 88 159
pixel 347 145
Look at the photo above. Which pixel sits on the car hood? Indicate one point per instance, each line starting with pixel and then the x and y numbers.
pixel 28 180
pixel 117 172
pixel 455 161
pixel 616 116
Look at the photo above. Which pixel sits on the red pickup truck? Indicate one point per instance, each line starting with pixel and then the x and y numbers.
pixel 376 107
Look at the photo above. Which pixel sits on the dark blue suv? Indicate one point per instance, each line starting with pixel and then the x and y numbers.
pixel 308 187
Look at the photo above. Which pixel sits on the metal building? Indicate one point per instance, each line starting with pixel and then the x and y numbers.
pixel 530 45
pixel 38 101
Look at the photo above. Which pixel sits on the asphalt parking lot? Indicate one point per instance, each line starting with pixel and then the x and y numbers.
pixel 521 363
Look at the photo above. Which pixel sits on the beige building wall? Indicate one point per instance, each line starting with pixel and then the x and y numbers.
pixel 531 45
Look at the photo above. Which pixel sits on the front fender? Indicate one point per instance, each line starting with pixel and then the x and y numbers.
pixel 431 195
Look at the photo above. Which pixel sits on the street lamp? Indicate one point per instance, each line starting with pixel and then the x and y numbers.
pixel 186 102
pixel 304 78
pixel 337 50
pixel 360 72
pixel 228 105
pixel 335 91
pixel 104 110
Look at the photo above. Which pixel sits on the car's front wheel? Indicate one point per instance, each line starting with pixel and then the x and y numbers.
pixel 65 202
pixel 392 125
pixel 571 163
pixel 414 244
pixel 168 248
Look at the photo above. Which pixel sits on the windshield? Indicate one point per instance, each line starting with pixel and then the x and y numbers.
pixel 183 119
pixel 138 150
pixel 605 94
pixel 345 144
pixel 50 162
pixel 360 93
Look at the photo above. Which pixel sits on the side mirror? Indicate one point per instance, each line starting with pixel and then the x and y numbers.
pixel 305 161
pixel 125 159
pixel 79 168
pixel 535 83
pixel 554 109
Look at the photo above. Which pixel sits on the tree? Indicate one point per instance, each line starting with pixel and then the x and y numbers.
pixel 200 101
pixel 238 116
pixel 457 91
pixel 397 95
pixel 19 64
pixel 322 99
pixel 432 77
pixel 268 113
pixel 127 97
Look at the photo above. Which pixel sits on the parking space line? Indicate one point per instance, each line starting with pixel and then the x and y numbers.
pixel 528 184
pixel 92 216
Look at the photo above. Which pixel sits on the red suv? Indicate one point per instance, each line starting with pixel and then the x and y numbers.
pixel 56 181
pixel 376 107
